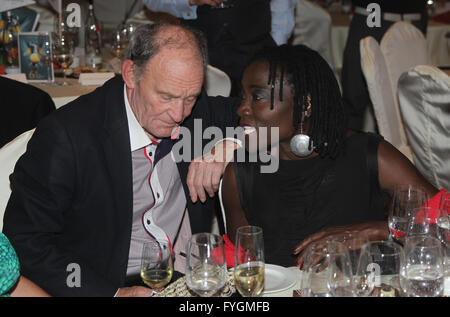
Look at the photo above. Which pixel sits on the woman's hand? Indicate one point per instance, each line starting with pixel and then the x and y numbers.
pixel 371 230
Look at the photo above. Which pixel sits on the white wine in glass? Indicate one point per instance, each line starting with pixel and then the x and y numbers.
pixel 156 264
pixel 249 261
pixel 249 279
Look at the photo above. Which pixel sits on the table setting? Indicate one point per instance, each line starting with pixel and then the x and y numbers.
pixel 414 262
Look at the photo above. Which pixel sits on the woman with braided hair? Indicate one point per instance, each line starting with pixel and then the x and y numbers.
pixel 330 180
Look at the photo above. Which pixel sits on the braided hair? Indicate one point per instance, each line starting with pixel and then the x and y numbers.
pixel 312 79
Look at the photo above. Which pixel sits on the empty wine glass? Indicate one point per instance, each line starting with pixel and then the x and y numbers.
pixel 428 221
pixel 445 202
pixel 378 270
pixel 406 198
pixel 354 242
pixel 328 271
pixel 206 269
pixel 156 264
pixel 422 267
pixel 249 261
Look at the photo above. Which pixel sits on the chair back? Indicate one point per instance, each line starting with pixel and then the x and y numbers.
pixel 313 29
pixel 387 115
pixel 217 82
pixel 424 96
pixel 404 46
pixel 9 154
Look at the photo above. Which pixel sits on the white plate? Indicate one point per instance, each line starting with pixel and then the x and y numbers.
pixel 278 278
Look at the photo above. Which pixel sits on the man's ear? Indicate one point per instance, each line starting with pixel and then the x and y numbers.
pixel 128 74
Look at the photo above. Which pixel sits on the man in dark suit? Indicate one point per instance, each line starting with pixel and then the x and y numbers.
pixel 97 180
pixel 22 107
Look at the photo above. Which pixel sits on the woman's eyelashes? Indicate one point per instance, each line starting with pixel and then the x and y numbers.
pixel 256 96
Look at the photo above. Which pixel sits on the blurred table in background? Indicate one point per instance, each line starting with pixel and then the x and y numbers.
pixel 64 94
pixel 438 46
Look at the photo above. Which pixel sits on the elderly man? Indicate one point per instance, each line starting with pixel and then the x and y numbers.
pixel 98 179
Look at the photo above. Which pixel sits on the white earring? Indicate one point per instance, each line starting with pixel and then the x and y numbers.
pixel 300 142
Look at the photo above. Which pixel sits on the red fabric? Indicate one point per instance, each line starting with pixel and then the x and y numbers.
pixel 229 251
pixel 443 17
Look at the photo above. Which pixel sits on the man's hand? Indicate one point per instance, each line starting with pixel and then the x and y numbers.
pixel 212 3
pixel 205 172
pixel 134 291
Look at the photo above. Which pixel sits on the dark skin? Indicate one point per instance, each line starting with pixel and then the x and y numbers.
pixel 393 167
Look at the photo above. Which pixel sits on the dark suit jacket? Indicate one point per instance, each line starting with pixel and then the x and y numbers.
pixel 72 193
pixel 22 106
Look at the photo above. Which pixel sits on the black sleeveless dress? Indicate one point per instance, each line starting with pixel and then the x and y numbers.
pixel 305 196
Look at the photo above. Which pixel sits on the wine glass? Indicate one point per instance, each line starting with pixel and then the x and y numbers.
pixel 422 267
pixel 406 198
pixel 328 270
pixel 354 242
pixel 445 201
pixel 63 50
pixel 206 268
pixel 156 264
pixel 378 270
pixel 428 221
pixel 249 261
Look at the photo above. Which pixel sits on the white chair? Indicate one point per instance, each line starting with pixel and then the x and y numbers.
pixel 313 29
pixel 9 154
pixel 424 96
pixel 403 47
pixel 387 116
pixel 217 82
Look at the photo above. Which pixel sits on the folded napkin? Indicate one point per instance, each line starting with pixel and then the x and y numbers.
pixel 94 78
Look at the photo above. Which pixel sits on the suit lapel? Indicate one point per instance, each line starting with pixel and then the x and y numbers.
pixel 117 151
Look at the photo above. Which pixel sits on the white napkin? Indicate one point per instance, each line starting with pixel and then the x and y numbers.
pixel 94 78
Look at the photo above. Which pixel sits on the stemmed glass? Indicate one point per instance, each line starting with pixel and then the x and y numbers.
pixel 328 270
pixel 249 261
pixel 429 221
pixel 445 202
pixel 206 268
pixel 156 264
pixel 422 267
pixel 63 49
pixel 406 198
pixel 378 270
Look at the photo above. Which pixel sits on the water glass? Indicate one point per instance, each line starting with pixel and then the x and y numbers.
pixel 422 267
pixel 377 274
pixel 328 271
pixel 206 268
pixel 406 198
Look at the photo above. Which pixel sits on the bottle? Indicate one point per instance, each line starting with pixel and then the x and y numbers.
pixel 10 44
pixel 92 39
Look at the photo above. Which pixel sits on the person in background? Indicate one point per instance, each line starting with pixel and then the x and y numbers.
pixel 11 282
pixel 330 185
pixel 23 106
pixel 354 87
pixel 236 33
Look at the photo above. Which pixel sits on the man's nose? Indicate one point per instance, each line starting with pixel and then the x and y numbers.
pixel 177 111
